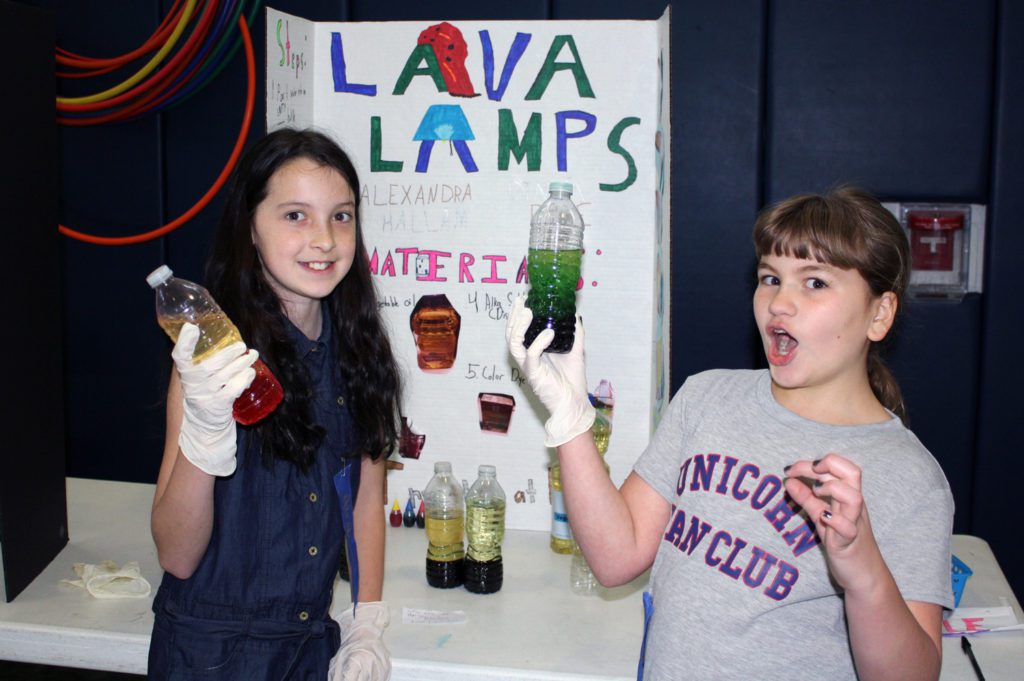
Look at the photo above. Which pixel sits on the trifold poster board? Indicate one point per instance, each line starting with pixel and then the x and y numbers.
pixel 456 129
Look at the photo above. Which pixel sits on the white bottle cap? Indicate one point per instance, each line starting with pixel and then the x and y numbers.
pixel 442 467
pixel 159 276
pixel 485 469
pixel 560 187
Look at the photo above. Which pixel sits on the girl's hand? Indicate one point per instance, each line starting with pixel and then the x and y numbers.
pixel 558 380
pixel 834 503
pixel 209 390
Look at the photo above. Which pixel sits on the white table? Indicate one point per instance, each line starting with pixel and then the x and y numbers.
pixel 1000 654
pixel 533 629
pixel 59 625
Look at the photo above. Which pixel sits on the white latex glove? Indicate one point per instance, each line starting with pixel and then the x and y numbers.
pixel 210 389
pixel 559 380
pixel 362 655
pixel 107 580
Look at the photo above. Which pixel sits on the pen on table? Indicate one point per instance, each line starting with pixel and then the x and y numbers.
pixel 966 645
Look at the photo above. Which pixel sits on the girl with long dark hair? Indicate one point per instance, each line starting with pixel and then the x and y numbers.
pixel 249 522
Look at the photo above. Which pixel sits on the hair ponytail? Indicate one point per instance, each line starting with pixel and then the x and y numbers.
pixel 884 385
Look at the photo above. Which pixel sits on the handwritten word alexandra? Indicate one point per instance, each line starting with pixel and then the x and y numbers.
pixel 415 195
pixel 440 55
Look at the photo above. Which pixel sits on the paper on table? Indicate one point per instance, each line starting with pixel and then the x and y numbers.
pixel 417 616
pixel 965 621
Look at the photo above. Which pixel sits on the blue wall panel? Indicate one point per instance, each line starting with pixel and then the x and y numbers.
pixel 999 464
pixel 882 94
pixel 717 92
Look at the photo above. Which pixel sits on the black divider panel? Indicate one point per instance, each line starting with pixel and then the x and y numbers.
pixel 33 508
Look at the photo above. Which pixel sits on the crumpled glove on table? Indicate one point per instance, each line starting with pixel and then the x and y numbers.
pixel 107 580
pixel 362 655
pixel 559 380
pixel 210 389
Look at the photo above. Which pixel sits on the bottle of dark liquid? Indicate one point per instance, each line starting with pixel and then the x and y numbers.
pixel 553 264
pixel 445 521
pixel 179 301
pixel 485 530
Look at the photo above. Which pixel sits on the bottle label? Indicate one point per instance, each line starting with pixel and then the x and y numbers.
pixel 559 517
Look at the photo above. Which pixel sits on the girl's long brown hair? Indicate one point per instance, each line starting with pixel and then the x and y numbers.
pixel 235 276
pixel 848 228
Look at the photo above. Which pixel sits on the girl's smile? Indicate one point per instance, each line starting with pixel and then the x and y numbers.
pixel 318 266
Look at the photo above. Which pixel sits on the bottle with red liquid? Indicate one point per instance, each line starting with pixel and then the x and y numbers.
pixel 179 301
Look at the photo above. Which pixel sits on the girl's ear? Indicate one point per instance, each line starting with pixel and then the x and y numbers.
pixel 885 314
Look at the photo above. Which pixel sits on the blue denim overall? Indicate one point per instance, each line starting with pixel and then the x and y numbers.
pixel 257 605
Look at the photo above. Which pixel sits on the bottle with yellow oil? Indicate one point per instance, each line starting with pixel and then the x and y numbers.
pixel 485 530
pixel 561 535
pixel 445 526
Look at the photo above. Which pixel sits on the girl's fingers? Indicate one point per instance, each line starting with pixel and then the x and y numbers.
pixel 841 525
pixel 804 496
pixel 848 499
pixel 826 469
pixel 839 467
pixel 805 469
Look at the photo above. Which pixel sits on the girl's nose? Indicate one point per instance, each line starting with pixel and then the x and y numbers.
pixel 323 237
pixel 782 302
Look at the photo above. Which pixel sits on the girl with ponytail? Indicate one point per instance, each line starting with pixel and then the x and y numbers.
pixel 751 499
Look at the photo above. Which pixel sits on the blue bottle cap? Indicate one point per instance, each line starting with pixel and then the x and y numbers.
pixel 560 187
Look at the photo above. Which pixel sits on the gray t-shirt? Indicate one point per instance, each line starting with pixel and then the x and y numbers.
pixel 740 584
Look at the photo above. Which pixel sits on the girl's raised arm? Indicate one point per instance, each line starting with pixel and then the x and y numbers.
pixel 618 529
pixel 199 445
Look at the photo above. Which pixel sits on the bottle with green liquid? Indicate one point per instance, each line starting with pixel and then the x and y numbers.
pixel 553 265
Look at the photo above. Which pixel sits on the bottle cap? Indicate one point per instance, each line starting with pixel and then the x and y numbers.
pixel 560 187
pixel 159 276
pixel 486 469
pixel 442 467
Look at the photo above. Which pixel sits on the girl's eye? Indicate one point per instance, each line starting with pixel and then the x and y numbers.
pixel 293 216
pixel 768 280
pixel 343 216
pixel 815 283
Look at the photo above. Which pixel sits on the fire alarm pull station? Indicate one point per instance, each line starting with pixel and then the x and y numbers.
pixel 946 242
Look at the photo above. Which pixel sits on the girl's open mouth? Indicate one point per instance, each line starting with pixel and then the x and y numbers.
pixel 782 347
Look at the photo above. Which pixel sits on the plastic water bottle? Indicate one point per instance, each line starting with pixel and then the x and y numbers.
pixel 485 530
pixel 179 301
pixel 581 578
pixel 603 401
pixel 445 523
pixel 561 534
pixel 553 265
